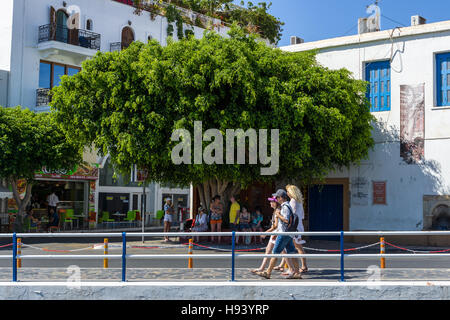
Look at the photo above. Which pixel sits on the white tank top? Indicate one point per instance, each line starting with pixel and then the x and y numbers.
pixel 298 209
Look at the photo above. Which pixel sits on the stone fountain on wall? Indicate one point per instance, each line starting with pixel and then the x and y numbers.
pixel 436 212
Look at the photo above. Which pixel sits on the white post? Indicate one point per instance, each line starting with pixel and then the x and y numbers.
pixel 143 213
pixel 191 201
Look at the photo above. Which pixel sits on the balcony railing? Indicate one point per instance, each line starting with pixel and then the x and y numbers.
pixel 115 46
pixel 77 37
pixel 118 46
pixel 43 97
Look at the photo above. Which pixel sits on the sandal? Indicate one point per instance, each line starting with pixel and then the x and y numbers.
pixel 278 268
pixel 263 274
pixel 294 276
pixel 303 270
pixel 255 270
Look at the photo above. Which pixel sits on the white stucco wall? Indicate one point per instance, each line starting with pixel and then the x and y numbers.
pixel 412 63
pixel 6 19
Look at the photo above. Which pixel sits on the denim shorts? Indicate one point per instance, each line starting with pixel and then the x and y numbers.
pixel 244 226
pixel 284 242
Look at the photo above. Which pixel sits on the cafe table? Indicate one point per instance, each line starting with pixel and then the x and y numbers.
pixel 119 216
pixel 77 218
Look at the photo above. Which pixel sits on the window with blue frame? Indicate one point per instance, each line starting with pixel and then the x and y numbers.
pixel 378 74
pixel 443 79
pixel 50 73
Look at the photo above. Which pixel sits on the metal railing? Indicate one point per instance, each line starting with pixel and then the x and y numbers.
pixel 77 37
pixel 43 97
pixel 233 255
pixel 115 46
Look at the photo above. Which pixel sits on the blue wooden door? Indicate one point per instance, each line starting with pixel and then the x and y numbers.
pixel 326 209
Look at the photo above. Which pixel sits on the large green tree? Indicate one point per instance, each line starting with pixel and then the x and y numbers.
pixel 129 103
pixel 29 142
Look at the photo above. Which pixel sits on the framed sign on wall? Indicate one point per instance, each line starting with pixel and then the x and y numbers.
pixel 379 192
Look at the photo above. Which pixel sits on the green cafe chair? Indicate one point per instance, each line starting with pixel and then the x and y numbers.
pixel 105 217
pixel 35 228
pixel 67 217
pixel 27 225
pixel 131 217
pixel 159 215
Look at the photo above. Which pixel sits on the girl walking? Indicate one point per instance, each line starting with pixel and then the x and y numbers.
pixel 274 228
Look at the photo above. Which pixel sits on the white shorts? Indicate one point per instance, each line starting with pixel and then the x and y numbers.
pixel 273 239
pixel 168 217
pixel 298 240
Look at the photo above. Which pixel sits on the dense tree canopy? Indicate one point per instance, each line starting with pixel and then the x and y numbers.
pixel 29 142
pixel 129 103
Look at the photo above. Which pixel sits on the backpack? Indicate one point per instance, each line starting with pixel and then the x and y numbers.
pixel 293 220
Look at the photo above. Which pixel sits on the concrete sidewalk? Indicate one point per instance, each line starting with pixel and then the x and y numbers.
pixel 27 274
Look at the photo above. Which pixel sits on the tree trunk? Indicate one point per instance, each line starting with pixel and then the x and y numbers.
pixel 21 204
pixel 207 193
pixel 225 189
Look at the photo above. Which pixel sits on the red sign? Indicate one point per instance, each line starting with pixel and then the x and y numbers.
pixel 379 192
pixel 142 175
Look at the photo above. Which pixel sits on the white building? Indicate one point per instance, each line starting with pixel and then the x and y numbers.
pixel 409 73
pixel 36 48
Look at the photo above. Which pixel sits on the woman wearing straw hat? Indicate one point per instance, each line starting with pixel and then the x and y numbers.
pixel 296 203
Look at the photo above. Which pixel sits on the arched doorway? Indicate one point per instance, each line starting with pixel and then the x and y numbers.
pixel 127 37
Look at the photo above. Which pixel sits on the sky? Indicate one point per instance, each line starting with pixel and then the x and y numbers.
pixel 322 19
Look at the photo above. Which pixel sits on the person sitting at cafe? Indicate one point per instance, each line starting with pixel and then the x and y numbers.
pixel 34 222
pixel 201 223
pixel 54 219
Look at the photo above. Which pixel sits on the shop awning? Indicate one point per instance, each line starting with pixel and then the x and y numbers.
pixel 5 193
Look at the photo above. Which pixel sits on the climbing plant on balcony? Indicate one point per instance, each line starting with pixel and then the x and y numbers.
pixel 173 15
pixel 254 18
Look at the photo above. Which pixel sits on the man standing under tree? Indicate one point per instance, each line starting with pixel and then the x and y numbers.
pixel 234 214
pixel 52 202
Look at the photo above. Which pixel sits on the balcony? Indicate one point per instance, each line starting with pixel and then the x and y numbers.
pixel 118 46
pixel 57 39
pixel 115 46
pixel 43 97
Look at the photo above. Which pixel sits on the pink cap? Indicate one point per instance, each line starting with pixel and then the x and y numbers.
pixel 272 199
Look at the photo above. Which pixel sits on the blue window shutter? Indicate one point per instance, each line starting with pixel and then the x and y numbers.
pixel 378 74
pixel 443 77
